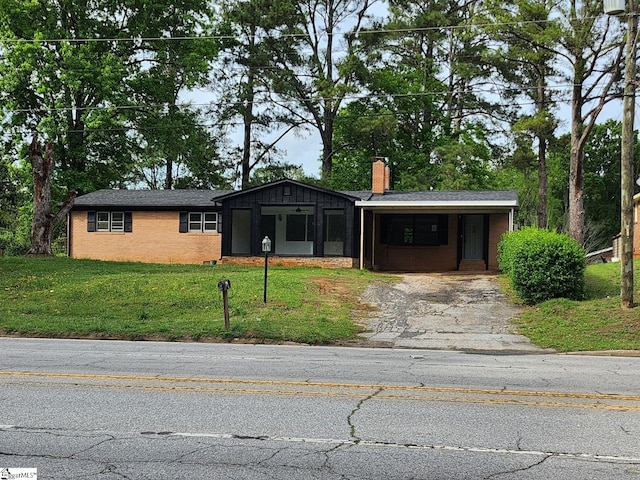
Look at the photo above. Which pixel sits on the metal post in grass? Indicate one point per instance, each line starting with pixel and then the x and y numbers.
pixel 224 286
pixel 266 248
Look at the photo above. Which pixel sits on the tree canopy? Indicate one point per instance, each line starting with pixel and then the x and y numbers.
pixel 188 94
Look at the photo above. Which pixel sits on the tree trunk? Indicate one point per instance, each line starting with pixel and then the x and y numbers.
pixel 576 167
pixel 43 221
pixel 543 138
pixel 542 181
pixel 327 148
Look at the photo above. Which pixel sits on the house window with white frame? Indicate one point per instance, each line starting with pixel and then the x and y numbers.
pixel 203 222
pixel 110 221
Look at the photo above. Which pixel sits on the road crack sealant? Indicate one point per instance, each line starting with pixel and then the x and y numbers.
pixel 352 427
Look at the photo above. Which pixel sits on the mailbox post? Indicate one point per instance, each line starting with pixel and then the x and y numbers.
pixel 224 286
pixel 266 248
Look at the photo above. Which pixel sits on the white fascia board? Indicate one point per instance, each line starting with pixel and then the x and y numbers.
pixel 437 204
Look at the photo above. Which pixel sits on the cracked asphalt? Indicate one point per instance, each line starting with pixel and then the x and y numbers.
pixel 444 312
pixel 151 410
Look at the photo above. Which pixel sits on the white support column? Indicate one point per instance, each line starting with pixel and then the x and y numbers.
pixel 362 239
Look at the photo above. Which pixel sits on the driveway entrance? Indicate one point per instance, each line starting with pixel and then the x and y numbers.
pixel 444 312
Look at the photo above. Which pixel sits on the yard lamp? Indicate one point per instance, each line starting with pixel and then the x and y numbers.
pixel 266 248
pixel 617 7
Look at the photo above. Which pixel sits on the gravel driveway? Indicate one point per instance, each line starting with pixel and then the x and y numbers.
pixel 445 312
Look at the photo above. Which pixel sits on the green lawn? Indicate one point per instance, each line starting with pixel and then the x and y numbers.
pixel 596 323
pixel 61 297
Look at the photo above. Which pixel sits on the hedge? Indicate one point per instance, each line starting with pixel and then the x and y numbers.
pixel 542 264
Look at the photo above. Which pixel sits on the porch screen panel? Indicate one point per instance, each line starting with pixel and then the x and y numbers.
pixel 334 232
pixel 240 232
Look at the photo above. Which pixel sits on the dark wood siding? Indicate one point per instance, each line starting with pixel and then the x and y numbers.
pixel 298 194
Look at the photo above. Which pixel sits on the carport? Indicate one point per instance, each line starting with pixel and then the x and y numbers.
pixel 434 231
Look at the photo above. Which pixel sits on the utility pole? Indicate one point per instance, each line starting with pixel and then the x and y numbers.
pixel 617 7
pixel 626 165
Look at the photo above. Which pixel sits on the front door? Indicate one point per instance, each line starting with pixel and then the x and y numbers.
pixel 473 237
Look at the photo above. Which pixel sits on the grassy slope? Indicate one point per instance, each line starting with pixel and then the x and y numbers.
pixel 60 297
pixel 596 323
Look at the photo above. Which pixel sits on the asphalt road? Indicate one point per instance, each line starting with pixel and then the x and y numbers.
pixel 113 410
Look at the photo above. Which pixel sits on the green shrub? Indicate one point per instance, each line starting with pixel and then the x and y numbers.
pixel 542 265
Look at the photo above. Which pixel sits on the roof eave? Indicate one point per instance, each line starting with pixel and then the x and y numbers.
pixel 437 204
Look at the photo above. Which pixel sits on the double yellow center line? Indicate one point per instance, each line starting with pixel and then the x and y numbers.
pixel 550 399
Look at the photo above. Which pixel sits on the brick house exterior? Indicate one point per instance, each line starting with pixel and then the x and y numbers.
pixel 158 226
pixel 308 225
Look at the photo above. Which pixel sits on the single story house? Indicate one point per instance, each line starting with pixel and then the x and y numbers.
pixel 378 229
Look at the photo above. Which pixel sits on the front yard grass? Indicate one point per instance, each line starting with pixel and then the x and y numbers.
pixel 67 298
pixel 595 323
pixel 62 297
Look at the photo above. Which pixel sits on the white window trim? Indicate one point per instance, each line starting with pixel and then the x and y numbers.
pixel 116 225
pixel 100 222
pixel 112 225
pixel 204 225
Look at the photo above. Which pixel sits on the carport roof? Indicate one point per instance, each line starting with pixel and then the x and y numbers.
pixel 449 199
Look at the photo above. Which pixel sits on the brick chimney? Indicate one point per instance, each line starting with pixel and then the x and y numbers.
pixel 380 177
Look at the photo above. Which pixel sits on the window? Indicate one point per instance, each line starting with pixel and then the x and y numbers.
pixel 117 221
pixel 103 222
pixel 418 230
pixel 300 228
pixel 199 222
pixel 109 222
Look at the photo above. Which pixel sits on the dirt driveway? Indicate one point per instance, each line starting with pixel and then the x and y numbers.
pixel 445 312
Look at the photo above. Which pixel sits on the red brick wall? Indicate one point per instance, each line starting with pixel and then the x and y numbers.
pixel 379 181
pixel 442 258
pixel 498 225
pixel 154 239
pixel 323 262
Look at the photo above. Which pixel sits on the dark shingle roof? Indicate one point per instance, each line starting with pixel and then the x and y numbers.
pixel 179 199
pixel 149 198
pixel 447 196
pixel 361 194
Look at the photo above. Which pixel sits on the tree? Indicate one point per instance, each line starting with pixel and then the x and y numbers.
pixel 594 67
pixel 526 60
pixel 317 77
pixel 60 80
pixel 178 54
pixel 278 171
pixel 44 221
pixel 422 72
pixel 262 30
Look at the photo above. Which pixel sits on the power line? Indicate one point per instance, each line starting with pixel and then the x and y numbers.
pixel 155 107
pixel 139 40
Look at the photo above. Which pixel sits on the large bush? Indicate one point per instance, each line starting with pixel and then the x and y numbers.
pixel 542 264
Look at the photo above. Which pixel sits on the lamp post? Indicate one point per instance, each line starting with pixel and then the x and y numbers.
pixel 266 248
pixel 615 7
